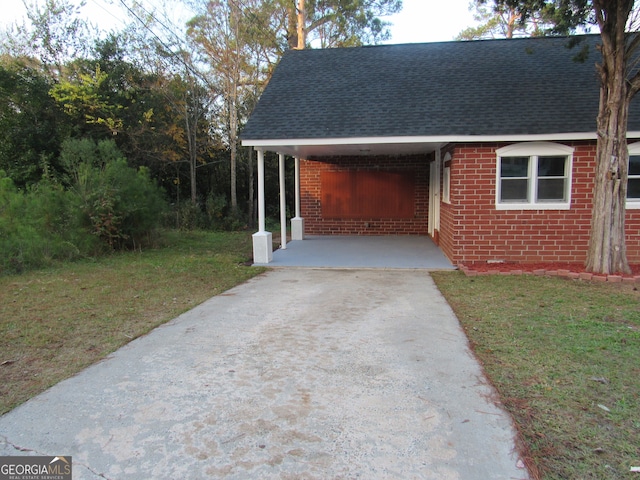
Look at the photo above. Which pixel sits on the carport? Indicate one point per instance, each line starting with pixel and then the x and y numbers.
pixel 394 251
pixel 341 114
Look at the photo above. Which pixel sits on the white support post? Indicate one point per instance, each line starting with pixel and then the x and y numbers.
pixel 297 181
pixel 261 219
pixel 262 240
pixel 297 223
pixel 283 204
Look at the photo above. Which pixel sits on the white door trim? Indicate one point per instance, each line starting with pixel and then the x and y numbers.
pixel 434 194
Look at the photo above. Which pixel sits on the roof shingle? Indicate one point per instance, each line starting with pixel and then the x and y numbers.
pixel 491 87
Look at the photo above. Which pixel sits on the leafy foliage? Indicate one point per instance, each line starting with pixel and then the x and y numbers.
pixel 107 205
pixel 507 20
pixel 119 205
pixel 31 124
pixel 55 34
pixel 81 99
pixel 39 226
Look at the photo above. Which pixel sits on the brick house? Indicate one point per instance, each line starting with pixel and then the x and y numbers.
pixel 487 146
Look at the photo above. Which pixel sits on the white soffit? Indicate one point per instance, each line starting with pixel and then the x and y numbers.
pixel 326 147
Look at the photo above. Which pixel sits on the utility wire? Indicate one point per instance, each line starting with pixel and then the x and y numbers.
pixel 166 47
pixel 109 12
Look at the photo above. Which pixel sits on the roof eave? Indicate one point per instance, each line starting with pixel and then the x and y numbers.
pixel 309 147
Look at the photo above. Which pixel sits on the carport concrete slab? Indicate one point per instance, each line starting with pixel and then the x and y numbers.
pixel 343 251
pixel 296 374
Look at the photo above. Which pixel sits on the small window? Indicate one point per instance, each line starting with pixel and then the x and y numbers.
pixel 633 189
pixel 446 179
pixel 534 176
pixel 633 182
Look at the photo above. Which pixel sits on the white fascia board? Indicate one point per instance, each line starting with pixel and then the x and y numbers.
pixel 444 139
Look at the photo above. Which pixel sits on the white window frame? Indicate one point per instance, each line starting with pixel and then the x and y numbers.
pixel 533 150
pixel 634 203
pixel 446 179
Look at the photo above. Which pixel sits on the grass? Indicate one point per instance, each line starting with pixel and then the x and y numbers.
pixel 55 322
pixel 564 356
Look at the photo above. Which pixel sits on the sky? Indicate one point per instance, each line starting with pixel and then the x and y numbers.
pixel 430 21
pixel 419 21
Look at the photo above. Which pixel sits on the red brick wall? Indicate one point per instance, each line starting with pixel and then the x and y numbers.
pixel 471 229
pixel 310 196
pixel 447 235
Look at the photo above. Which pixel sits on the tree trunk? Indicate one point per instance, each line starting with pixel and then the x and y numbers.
pixel 607 246
pixel 234 177
pixel 233 144
pixel 302 37
pixel 292 24
pixel 190 131
pixel 512 18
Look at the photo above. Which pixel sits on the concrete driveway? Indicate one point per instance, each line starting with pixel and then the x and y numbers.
pixel 296 374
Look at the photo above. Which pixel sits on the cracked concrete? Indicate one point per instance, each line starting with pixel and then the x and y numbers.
pixel 299 373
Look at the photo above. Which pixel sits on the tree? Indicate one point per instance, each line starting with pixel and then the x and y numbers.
pixel 187 108
pixel 118 204
pixel 501 20
pixel 55 35
pixel 619 77
pixel 224 38
pixel 31 123
pixel 82 100
pixel 336 23
pixel 619 83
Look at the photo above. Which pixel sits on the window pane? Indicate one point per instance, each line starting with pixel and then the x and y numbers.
pixel 514 166
pixel 513 190
pixel 634 165
pixel 551 166
pixel 633 188
pixel 551 189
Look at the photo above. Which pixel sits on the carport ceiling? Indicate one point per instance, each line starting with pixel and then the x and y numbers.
pixel 314 149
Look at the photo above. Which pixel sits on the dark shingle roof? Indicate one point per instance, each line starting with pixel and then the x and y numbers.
pixel 492 87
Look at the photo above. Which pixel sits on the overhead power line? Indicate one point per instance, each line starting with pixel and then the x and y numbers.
pixel 167 48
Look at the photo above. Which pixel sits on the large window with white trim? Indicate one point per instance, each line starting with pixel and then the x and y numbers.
pixel 633 182
pixel 534 175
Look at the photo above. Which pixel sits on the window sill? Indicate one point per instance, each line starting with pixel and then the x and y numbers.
pixel 534 206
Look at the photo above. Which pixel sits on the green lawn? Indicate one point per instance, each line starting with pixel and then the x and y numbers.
pixel 55 322
pixel 565 357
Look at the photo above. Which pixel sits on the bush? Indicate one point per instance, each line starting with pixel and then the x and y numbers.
pixel 107 205
pixel 120 205
pixel 187 216
pixel 212 215
pixel 38 226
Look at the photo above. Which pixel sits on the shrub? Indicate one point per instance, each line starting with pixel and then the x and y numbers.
pixel 108 205
pixel 213 214
pixel 187 216
pixel 120 205
pixel 38 226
